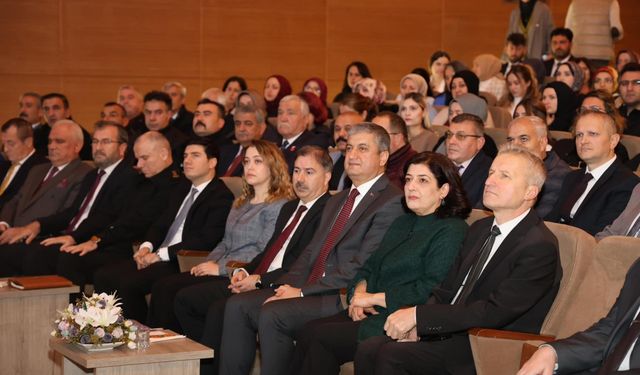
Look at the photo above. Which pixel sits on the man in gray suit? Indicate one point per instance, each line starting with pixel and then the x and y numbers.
pixel 352 225
pixel 628 223
pixel 49 187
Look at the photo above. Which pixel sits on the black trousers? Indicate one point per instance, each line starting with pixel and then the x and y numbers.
pixel 80 269
pixel 163 293
pixel 31 260
pixel 200 312
pixel 382 355
pixel 325 344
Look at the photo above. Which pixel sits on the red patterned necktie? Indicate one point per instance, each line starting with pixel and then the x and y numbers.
pixel 274 249
pixel 332 237
pixel 85 202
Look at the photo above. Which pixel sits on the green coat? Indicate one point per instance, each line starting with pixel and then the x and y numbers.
pixel 414 256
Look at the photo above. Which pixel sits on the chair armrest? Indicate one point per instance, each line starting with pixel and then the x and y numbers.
pixel 189 258
pixel 233 265
pixel 499 352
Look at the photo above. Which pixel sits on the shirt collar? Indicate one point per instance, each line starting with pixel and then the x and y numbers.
pixel 598 172
pixel 310 204
pixel 201 187
pixel 292 139
pixel 507 227
pixel 365 187
pixel 107 171
pixel 20 162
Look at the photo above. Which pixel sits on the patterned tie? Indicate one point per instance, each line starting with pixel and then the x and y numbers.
pixel 615 358
pixel 85 202
pixel 285 144
pixel 478 266
pixel 576 193
pixel 332 237
pixel 180 218
pixel 234 165
pixel 634 231
pixel 274 249
pixel 8 177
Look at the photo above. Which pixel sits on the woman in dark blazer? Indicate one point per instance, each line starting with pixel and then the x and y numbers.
pixel 414 256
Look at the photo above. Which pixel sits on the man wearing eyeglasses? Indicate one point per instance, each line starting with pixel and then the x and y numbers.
pixel 629 86
pixel 102 195
pixel 465 139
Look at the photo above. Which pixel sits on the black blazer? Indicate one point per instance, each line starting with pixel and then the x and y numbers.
pixel 587 350
pixel 204 226
pixel 41 138
pixel 548 65
pixel 107 206
pixel 184 121
pixel 360 237
pixel 20 177
pixel 515 290
pixel 143 206
pixel 299 240
pixel 474 177
pixel 605 201
pixel 307 138
pixel 227 154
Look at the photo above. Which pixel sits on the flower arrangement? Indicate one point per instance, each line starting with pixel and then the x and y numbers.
pixel 95 320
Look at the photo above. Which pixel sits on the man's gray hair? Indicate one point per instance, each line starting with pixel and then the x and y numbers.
pixel 536 173
pixel 76 130
pixel 244 109
pixel 304 107
pixel 168 85
pixel 382 137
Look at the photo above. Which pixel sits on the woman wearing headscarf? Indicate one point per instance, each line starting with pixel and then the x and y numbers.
pixel 570 73
pixel 413 83
pixel 318 87
pixel 275 88
pixel 487 67
pixel 561 103
pixel 463 82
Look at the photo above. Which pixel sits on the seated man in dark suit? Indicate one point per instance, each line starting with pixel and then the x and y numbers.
pixel 182 118
pixel 30 105
pixel 55 107
pixel 516 51
pixel 132 101
pixel 400 148
pixel 113 243
pixel 17 139
pixel 628 223
pixel 208 121
pixel 352 225
pixel 293 117
pixel 531 133
pixel 101 200
pixel 200 308
pixel 341 125
pixel 464 148
pixel 609 346
pixel 629 87
pixel 506 276
pixel 561 39
pixel 157 117
pixel 49 188
pixel 194 219
pixel 591 198
pixel 249 125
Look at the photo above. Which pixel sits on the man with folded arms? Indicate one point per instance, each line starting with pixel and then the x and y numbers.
pixel 506 276
pixel 352 225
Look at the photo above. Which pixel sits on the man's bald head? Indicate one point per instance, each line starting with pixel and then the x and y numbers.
pixel 153 152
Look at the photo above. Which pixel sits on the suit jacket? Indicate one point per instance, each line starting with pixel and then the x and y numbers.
pixel 557 170
pixel 605 200
pixel 338 170
pixel 41 138
pixel 178 142
pixel 144 206
pixel 184 121
pixel 307 138
pixel 621 225
pixel 20 177
pixel 227 154
pixel 204 226
pixel 515 290
pixel 299 239
pixel 361 236
pixel 34 201
pixel 548 65
pixel 108 204
pixel 474 177
pixel 587 350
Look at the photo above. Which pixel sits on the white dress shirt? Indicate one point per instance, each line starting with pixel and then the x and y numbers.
pixel 596 173
pixel 107 172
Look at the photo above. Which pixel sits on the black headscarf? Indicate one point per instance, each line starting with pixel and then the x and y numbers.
pixel 525 11
pixel 567 104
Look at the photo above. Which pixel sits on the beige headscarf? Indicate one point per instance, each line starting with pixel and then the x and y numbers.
pixel 420 82
pixel 486 66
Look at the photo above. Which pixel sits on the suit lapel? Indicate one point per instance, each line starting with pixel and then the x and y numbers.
pixel 601 181
pixel 623 324
pixel 313 212
pixel 470 259
pixel 59 178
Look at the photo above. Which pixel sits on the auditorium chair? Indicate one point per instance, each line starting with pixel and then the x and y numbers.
pixel 632 144
pixel 498 135
pixel 559 134
pixel 593 276
pixel 501 117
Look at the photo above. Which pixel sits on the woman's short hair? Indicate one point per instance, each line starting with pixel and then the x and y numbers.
pixel 280 183
pixel 455 204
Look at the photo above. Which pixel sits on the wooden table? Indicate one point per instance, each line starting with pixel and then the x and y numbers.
pixel 179 356
pixel 26 322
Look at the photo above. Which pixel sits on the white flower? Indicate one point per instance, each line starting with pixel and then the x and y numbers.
pixel 117 332
pixel 131 345
pixel 99 332
pixel 128 323
pixel 53 333
pixel 132 335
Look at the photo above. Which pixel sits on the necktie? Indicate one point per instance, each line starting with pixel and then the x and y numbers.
pixel 332 237
pixel 180 218
pixel 7 178
pixel 614 359
pixel 634 231
pixel 275 248
pixel 477 267
pixel 234 165
pixel 52 172
pixel 285 144
pixel 578 190
pixel 460 168
pixel 85 202
pixel 554 68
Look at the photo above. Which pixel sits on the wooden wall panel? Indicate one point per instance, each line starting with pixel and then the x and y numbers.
pixel 87 49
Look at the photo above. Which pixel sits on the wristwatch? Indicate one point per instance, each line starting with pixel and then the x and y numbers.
pixel 259 283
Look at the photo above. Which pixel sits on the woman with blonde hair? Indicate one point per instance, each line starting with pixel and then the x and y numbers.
pixel 415 113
